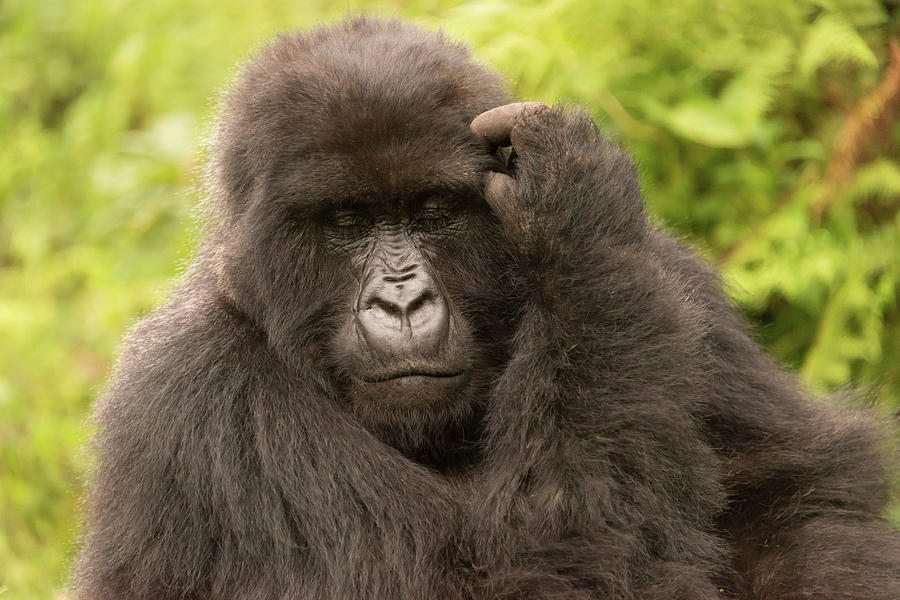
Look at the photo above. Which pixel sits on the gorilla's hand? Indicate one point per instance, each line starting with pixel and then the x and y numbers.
pixel 563 177
pixel 499 127
pixel 570 200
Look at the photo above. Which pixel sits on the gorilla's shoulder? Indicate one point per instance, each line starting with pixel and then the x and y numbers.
pixel 185 345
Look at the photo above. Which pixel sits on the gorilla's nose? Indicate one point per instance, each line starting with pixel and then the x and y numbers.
pixel 403 314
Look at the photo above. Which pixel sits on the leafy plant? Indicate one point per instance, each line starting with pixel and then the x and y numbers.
pixel 765 130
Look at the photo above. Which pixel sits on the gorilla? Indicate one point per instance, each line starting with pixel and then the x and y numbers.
pixel 433 347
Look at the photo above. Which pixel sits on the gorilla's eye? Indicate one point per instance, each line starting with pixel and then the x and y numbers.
pixel 433 216
pixel 351 223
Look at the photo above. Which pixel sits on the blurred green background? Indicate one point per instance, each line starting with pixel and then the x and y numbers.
pixel 766 131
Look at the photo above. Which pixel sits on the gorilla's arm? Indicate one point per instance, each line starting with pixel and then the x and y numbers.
pixel 599 408
pixel 808 480
pixel 628 345
pixel 223 473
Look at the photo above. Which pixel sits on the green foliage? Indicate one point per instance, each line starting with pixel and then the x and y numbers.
pixel 832 40
pixel 732 108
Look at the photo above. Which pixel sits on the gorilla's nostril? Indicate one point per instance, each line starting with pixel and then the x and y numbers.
pixel 384 305
pixel 416 304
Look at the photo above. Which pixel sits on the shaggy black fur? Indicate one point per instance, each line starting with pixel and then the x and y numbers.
pixel 622 435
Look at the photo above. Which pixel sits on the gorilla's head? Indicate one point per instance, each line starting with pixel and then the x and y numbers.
pixel 352 227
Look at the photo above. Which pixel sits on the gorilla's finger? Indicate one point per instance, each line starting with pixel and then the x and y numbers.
pixel 495 125
pixel 500 194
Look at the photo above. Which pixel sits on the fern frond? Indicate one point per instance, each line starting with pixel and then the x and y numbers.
pixel 833 41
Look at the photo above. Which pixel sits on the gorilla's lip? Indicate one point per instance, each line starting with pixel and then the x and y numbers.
pixel 392 375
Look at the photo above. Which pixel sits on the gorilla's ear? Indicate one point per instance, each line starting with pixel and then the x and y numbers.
pixel 228 256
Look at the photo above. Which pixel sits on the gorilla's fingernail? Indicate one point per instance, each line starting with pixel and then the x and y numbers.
pixel 494 125
pixel 500 193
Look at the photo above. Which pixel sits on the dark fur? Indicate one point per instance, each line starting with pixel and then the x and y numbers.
pixel 632 440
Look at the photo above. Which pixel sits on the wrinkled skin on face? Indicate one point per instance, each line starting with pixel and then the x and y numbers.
pixel 413 368
pixel 404 332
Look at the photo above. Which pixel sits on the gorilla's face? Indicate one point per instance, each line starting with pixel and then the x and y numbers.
pixel 404 342
pixel 421 330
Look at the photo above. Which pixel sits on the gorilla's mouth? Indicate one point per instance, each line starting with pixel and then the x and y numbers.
pixel 410 387
pixel 429 373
